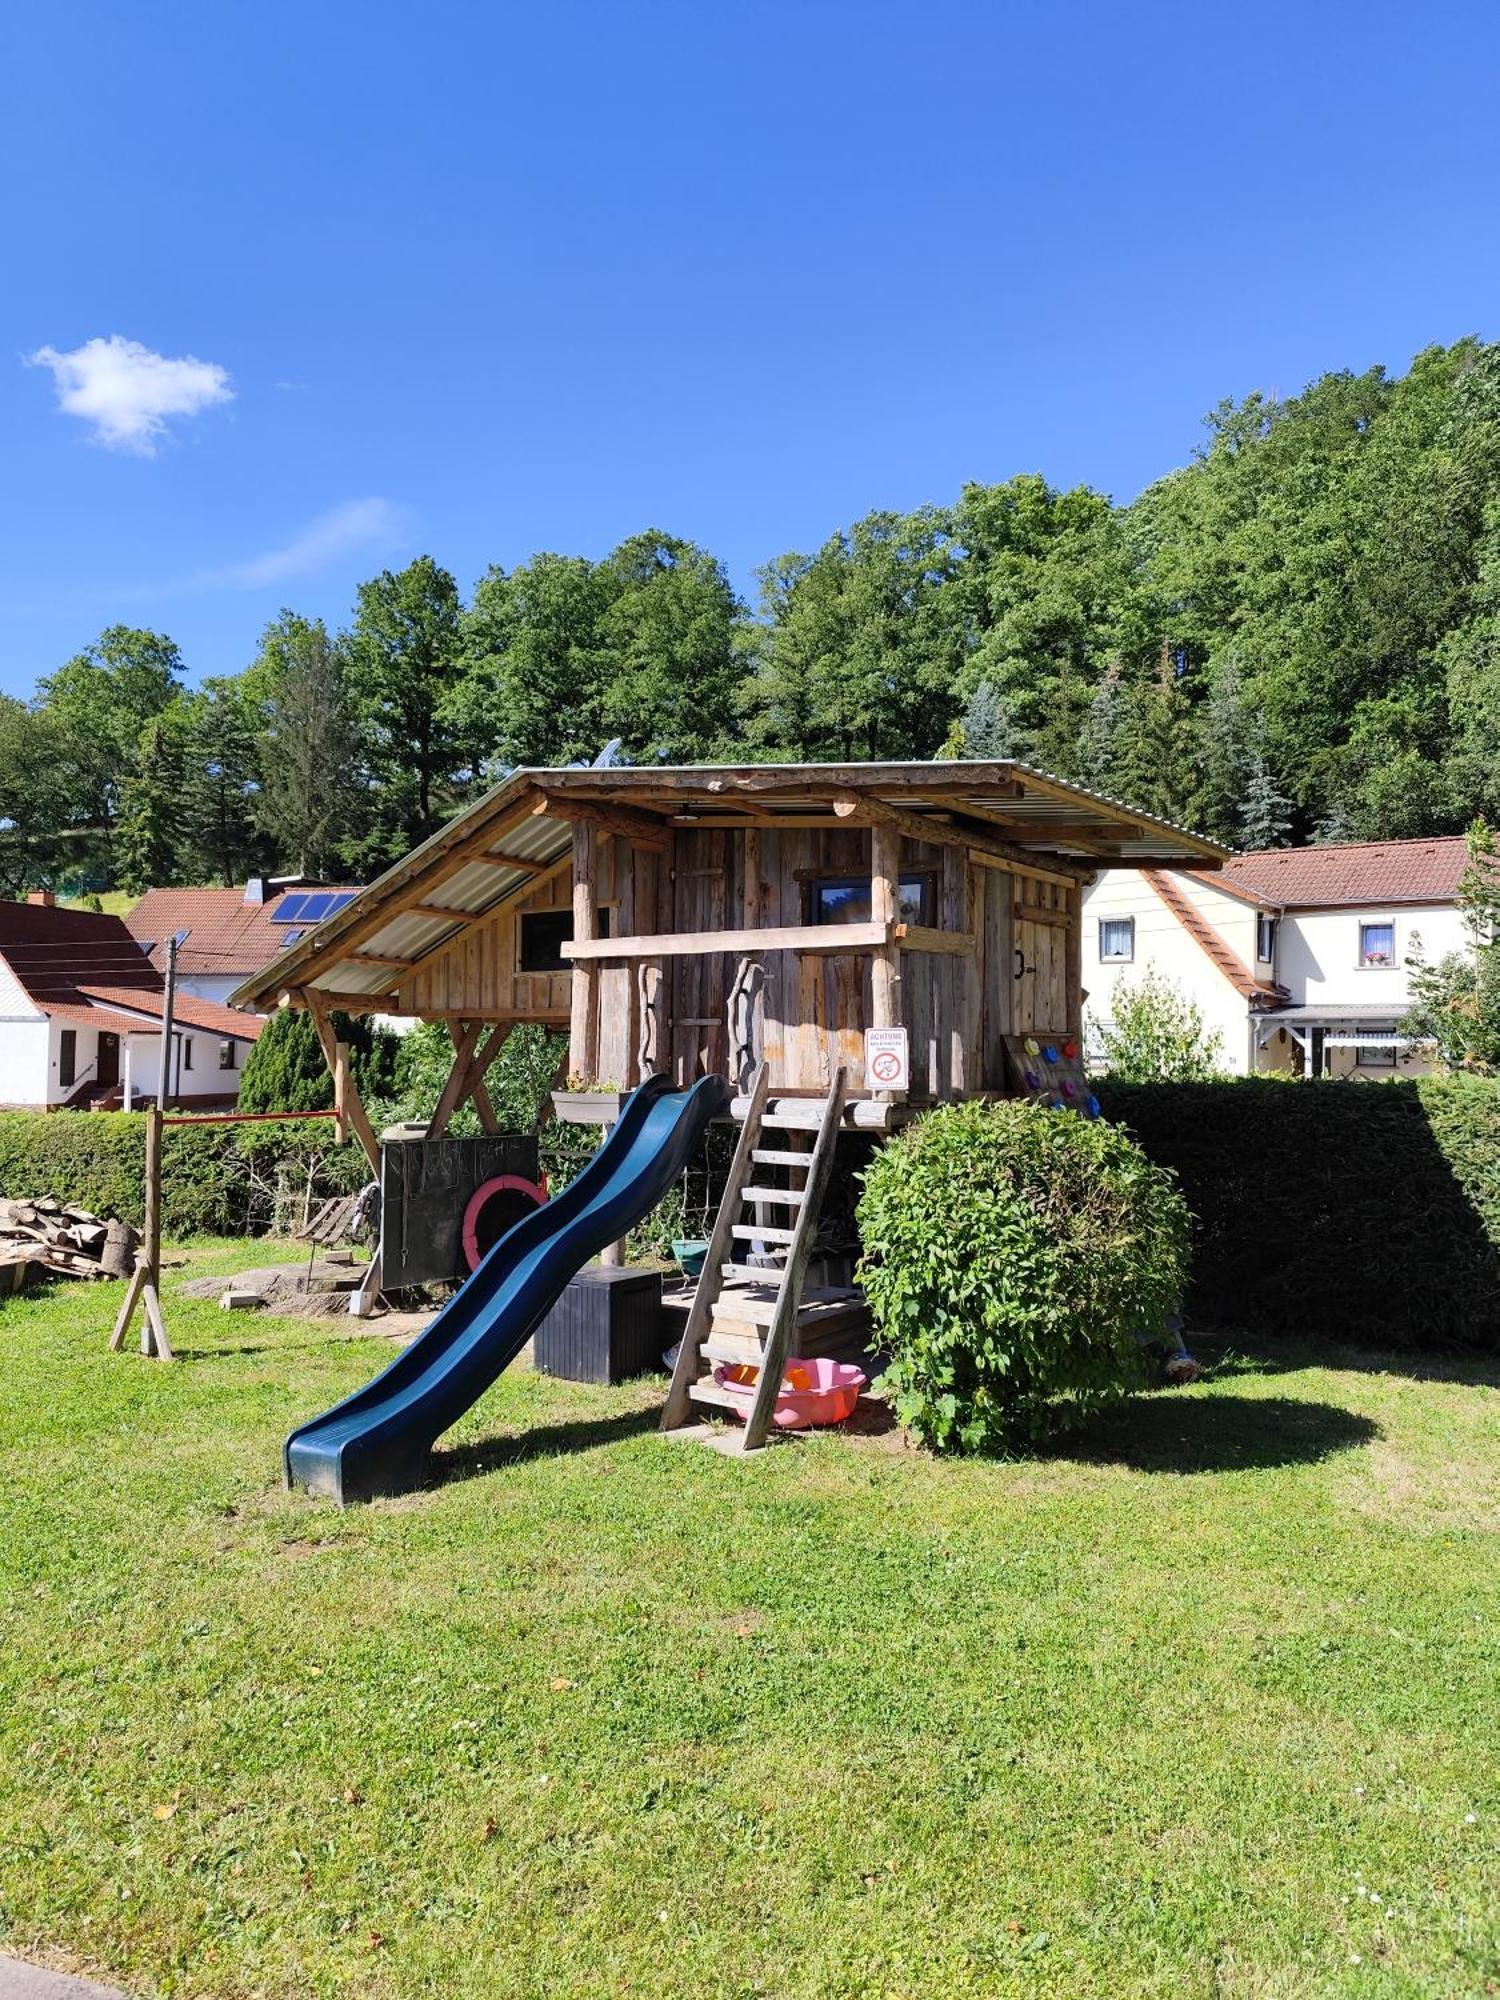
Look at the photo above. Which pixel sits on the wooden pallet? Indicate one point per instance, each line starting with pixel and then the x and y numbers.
pixel 753 1311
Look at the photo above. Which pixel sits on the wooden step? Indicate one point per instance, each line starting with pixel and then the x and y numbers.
pixel 764 1157
pixel 788 1197
pixel 754 1274
pixel 708 1391
pixel 759 1308
pixel 761 1232
pixel 744 1347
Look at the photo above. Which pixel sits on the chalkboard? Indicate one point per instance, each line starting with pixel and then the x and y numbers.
pixel 425 1186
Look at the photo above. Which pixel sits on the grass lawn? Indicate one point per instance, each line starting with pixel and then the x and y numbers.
pixel 1206 1705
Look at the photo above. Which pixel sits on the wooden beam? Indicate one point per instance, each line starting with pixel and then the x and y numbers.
pixel 526 864
pixel 380 958
pixel 583 1023
pixel 826 939
pixel 639 828
pixel 479 1068
pixel 885 908
pixel 450 910
pixel 948 944
pixel 352 1110
pixel 347 1003
pixel 457 1087
pixel 855 810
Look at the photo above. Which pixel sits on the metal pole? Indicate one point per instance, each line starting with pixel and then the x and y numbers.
pixel 165 1079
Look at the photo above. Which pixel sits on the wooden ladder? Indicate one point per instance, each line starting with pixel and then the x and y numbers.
pixel 772 1295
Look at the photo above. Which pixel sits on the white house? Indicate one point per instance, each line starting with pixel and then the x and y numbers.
pixel 81 1018
pixel 1296 955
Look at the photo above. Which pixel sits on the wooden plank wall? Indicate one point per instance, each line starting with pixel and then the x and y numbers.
pixel 813 1008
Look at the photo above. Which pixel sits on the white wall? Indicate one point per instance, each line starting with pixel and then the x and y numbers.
pixel 1318 955
pixel 204 1079
pixel 209 985
pixel 23 1044
pixel 1163 945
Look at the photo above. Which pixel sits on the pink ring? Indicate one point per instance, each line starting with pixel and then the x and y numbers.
pixel 477 1200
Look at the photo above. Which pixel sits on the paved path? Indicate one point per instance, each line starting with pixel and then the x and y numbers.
pixel 32 1982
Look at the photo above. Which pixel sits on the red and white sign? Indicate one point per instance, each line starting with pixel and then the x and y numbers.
pixel 887 1059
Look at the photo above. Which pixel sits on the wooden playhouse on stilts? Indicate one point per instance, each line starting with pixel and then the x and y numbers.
pixel 844 944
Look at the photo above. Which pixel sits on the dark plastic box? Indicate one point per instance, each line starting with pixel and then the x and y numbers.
pixel 606 1327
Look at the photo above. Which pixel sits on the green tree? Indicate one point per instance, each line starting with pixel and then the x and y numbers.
pixel 402 657
pixel 1456 1001
pixel 221 748
pixel 536 665
pixel 153 808
pixel 97 707
pixel 286 1070
pixel 1157 1035
pixel 308 750
pixel 668 636
pixel 863 645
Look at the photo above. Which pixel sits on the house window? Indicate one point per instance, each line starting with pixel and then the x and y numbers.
pixel 845 899
pixel 228 1054
pixel 187 1051
pixel 1377 944
pixel 1265 938
pixel 67 1057
pixel 545 932
pixel 1116 940
pixel 1375 1055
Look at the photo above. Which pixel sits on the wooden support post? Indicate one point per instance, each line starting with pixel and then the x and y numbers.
pixel 479 1068
pixel 885 905
pixel 144 1292
pixel 349 1104
pixel 1073 964
pixel 583 1036
pixel 456 1089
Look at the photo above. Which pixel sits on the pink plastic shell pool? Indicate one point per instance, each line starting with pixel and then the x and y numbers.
pixel 830 1398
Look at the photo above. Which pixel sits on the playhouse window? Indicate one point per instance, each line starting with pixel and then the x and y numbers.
pixel 845 899
pixel 1116 940
pixel 67 1056
pixel 1265 939
pixel 1377 944
pixel 545 932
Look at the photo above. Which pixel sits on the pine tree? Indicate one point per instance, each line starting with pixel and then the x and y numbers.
pixel 1265 817
pixel 308 753
pixel 988 728
pixel 153 810
pixel 1098 760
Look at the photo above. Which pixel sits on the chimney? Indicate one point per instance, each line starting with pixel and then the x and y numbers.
pixel 45 897
pixel 255 889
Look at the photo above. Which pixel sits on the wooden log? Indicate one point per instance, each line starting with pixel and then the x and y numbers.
pixel 858 809
pixel 583 1023
pixel 638 827
pixel 821 939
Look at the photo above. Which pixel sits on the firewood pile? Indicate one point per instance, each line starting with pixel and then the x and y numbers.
pixel 52 1235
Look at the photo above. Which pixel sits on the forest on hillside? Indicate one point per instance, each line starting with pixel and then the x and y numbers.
pixel 1294 637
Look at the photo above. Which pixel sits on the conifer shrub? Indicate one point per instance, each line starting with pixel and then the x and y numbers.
pixel 1014 1258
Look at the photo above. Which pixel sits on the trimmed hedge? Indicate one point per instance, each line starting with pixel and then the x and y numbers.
pixel 1370 1211
pixel 218 1180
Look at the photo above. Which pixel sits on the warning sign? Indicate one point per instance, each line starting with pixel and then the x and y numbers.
pixel 887 1059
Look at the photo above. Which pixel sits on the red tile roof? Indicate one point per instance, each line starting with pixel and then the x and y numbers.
pixel 1364 873
pixel 1259 992
pixel 73 962
pixel 225 934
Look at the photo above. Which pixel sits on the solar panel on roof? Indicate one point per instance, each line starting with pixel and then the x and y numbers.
pixel 315 908
pixel 342 897
pixel 288 910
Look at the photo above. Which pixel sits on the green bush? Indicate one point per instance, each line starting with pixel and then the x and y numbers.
pixel 286 1069
pixel 1369 1211
pixel 1012 1256
pixel 217 1180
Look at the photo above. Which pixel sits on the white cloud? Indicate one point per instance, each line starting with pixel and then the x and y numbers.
pixel 127 392
pixel 354 524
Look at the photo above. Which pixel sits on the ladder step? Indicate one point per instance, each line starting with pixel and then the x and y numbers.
pixel 758 1308
pixel 733 1347
pixel 772 1158
pixel 708 1391
pixel 788 1197
pixel 804 1117
pixel 761 1232
pixel 755 1274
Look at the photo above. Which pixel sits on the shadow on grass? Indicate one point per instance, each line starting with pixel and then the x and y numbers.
pixel 1228 1355
pixel 1176 1433
pixel 472 1461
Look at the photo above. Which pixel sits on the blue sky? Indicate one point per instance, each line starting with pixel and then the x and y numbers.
pixel 485 279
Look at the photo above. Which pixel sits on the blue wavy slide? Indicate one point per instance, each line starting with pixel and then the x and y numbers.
pixel 377 1440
